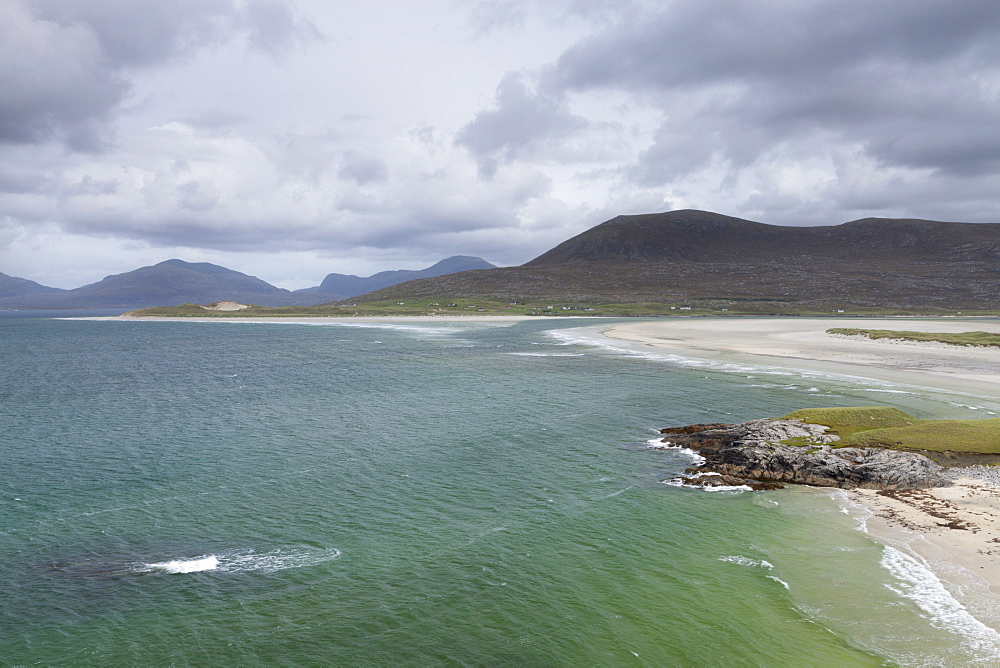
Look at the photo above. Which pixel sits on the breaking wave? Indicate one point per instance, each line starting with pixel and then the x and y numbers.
pixel 249 561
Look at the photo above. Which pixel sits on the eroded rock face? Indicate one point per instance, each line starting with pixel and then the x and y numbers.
pixel 752 452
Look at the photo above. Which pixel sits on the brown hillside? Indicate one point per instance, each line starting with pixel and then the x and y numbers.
pixel 696 255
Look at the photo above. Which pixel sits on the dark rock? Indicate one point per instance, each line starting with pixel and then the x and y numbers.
pixel 752 453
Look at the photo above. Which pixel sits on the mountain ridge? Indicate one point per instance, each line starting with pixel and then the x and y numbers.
pixel 173 282
pixel 690 255
pixel 349 285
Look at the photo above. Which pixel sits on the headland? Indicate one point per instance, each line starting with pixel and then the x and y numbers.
pixel 954 529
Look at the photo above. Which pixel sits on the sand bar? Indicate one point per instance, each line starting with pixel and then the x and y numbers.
pixel 803 343
pixel 313 320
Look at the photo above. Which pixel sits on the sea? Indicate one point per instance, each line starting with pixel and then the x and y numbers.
pixel 446 493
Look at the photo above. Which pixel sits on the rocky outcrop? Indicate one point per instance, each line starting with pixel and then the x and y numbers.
pixel 760 453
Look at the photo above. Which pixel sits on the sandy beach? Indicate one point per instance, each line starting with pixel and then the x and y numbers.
pixel 803 343
pixel 954 530
pixel 354 319
pixel 958 524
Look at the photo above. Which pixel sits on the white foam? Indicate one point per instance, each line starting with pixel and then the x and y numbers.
pixel 660 444
pixel 546 354
pixel 740 560
pixel 247 561
pixel 917 583
pixel 679 482
pixel 747 561
pixel 196 565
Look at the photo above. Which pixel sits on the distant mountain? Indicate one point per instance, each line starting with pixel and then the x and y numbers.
pixel 688 255
pixel 348 285
pixel 14 287
pixel 175 282
pixel 168 283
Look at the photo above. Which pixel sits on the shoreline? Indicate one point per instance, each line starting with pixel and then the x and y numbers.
pixel 315 320
pixel 802 343
pixel 958 524
pixel 954 531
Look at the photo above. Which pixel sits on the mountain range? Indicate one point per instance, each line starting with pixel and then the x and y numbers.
pixel 349 285
pixel 712 259
pixel 678 256
pixel 175 282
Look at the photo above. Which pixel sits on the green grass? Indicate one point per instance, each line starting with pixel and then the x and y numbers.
pixel 439 306
pixel 884 427
pixel 954 435
pixel 957 339
pixel 436 305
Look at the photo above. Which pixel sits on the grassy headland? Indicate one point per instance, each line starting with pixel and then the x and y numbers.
pixel 956 339
pixel 883 427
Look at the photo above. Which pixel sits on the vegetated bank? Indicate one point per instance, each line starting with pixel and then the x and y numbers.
pixel 870 447
pixel 956 339
pixel 450 307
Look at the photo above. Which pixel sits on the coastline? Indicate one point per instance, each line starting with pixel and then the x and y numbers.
pixel 314 320
pixel 802 343
pixel 953 531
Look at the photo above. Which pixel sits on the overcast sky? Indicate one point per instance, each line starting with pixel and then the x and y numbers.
pixel 293 139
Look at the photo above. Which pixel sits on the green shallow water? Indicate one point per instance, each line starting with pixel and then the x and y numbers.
pixel 420 494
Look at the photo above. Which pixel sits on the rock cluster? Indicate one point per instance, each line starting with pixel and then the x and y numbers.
pixel 752 453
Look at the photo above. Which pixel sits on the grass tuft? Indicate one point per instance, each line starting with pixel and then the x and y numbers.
pixel 885 427
pixel 956 339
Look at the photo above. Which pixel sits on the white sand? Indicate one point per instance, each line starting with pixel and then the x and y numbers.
pixel 382 318
pixel 946 525
pixel 803 343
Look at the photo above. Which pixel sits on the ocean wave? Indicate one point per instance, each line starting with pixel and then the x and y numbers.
pixel 916 582
pixel 198 564
pixel 546 354
pixel 248 561
pixel 660 444
pixel 740 560
pixel 679 482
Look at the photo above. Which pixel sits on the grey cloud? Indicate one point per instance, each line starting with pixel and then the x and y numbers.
pixel 736 80
pixel 362 168
pixel 275 28
pixel 523 120
pixel 91 186
pixel 193 196
pixel 54 80
pixel 65 66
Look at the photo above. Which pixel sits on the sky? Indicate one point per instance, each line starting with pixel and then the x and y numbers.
pixel 292 139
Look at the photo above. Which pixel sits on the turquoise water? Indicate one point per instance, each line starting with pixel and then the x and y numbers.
pixel 421 494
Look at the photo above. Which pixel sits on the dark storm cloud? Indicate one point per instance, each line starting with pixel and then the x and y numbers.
pixel 65 66
pixel 916 84
pixel 522 121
